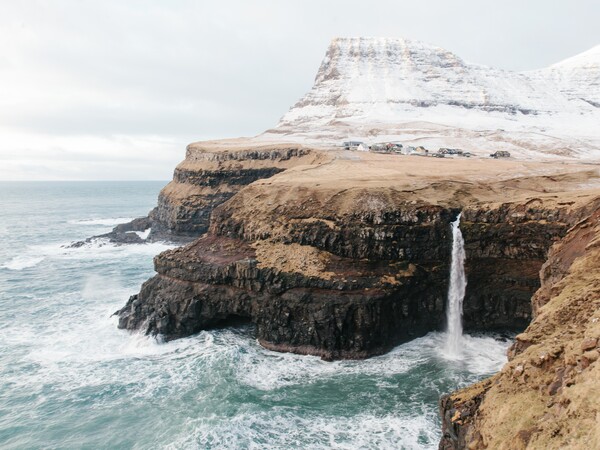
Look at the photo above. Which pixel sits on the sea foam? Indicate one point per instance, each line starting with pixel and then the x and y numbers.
pixel 22 262
pixel 109 222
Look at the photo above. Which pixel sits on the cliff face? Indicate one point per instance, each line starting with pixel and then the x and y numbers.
pixel 211 173
pixel 546 396
pixel 325 267
pixel 320 289
pixel 505 246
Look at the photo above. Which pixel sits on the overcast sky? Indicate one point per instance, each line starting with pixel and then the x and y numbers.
pixel 116 89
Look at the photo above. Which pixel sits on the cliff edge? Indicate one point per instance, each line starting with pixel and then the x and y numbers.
pixel 348 257
pixel 211 173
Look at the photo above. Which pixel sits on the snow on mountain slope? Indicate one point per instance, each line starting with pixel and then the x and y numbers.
pixel 387 88
pixel 578 77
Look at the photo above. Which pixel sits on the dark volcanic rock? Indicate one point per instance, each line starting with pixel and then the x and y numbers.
pixel 383 277
pixel 457 415
pixel 207 177
pixel 343 268
pixel 210 176
pixel 124 233
pixel 505 250
pixel 351 315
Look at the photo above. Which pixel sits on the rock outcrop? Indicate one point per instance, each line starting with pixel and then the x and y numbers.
pixel 327 267
pixel 546 396
pixel 321 288
pixel 211 173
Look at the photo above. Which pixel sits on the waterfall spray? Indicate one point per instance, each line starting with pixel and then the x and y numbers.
pixel 456 291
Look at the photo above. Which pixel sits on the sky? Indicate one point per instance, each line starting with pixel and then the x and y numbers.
pixel 115 90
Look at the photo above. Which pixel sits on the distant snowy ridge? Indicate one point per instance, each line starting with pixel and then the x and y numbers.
pixel 392 88
pixel 577 78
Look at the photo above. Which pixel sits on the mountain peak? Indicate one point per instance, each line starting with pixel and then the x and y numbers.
pixel 588 58
pixel 381 86
pixel 377 41
pixel 352 56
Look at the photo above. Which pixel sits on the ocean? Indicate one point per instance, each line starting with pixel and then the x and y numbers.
pixel 69 379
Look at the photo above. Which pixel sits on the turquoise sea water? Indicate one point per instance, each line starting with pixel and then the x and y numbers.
pixel 70 379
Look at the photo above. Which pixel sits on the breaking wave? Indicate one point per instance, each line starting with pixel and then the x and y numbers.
pixel 219 388
pixel 109 222
pixel 22 262
pixel 71 379
pixel 95 249
pixel 143 234
pixel 225 391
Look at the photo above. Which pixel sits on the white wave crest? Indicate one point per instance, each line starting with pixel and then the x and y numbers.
pixel 143 234
pixel 22 262
pixel 100 248
pixel 95 249
pixel 283 428
pixel 266 370
pixel 109 222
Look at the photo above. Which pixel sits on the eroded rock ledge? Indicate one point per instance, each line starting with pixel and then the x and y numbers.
pixel 211 173
pixel 348 258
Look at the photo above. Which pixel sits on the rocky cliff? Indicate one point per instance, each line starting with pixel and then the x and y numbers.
pixel 328 266
pixel 546 396
pixel 210 174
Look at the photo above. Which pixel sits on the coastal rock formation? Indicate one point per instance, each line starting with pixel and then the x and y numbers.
pixel 211 173
pixel 546 396
pixel 336 296
pixel 324 266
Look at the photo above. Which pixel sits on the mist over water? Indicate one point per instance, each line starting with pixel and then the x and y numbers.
pixel 70 379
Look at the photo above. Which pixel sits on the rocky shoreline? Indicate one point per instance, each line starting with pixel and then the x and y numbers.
pixel 344 257
pixel 348 289
pixel 337 270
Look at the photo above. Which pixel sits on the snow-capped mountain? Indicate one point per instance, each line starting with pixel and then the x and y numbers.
pixel 385 88
pixel 577 78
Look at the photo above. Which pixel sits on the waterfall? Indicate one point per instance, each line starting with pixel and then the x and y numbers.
pixel 456 292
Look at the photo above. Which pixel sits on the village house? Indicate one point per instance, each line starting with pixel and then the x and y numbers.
pixel 500 154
